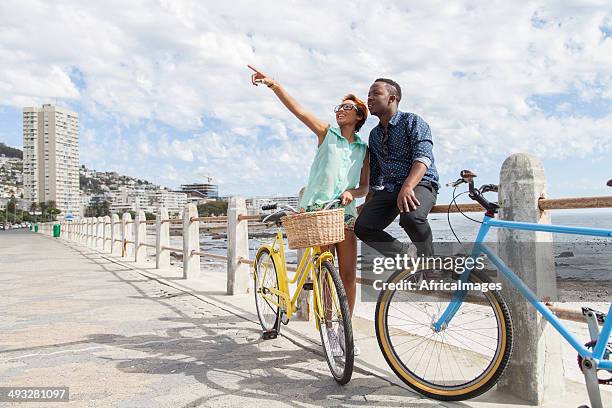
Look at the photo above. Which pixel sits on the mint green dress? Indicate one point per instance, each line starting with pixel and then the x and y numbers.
pixel 335 169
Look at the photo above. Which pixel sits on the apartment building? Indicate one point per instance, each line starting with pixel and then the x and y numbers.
pixel 51 157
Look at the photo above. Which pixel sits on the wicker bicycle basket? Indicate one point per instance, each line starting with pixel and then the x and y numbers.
pixel 314 228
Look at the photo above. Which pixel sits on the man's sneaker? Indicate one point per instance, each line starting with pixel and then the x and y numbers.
pixel 356 351
pixel 334 343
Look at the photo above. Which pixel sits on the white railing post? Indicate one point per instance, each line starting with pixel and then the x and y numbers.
pixel 140 236
pixel 94 232
pixel 107 245
pixel 115 234
pixel 238 277
pixel 162 239
pixel 99 232
pixel 84 231
pixel 127 235
pixel 191 242
pixel 535 372
pixel 90 231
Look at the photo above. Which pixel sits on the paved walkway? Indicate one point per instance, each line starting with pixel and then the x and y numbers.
pixel 74 318
pixel 126 336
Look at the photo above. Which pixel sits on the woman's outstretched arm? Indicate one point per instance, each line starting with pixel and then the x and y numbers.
pixel 311 121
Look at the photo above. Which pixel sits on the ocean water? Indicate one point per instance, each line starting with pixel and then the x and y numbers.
pixel 591 259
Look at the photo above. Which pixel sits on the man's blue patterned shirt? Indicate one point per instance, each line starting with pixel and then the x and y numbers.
pixel 408 139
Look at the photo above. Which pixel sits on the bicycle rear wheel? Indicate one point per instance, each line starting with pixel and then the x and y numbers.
pixel 462 360
pixel 335 323
pixel 266 303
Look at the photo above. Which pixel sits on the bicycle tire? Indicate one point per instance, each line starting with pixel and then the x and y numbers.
pixel 464 389
pixel 341 367
pixel 269 320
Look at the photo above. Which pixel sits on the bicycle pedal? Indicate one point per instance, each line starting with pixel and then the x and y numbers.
pixel 308 286
pixel 270 334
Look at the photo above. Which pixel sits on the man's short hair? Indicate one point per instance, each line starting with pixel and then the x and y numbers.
pixel 392 86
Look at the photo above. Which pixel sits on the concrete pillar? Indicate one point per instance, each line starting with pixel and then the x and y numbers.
pixel 127 235
pixel 535 372
pixel 162 239
pixel 238 276
pixel 140 236
pixel 99 232
pixel 116 244
pixel 191 242
pixel 107 245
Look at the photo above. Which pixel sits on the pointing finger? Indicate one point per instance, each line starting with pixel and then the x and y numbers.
pixel 254 69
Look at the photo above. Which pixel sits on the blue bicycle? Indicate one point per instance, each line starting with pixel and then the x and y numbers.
pixel 455 343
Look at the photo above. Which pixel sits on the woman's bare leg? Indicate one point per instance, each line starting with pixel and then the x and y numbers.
pixel 347 262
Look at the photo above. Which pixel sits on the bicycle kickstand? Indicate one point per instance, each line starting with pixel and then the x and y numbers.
pixel 588 366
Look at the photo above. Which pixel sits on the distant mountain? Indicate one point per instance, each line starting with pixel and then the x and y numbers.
pixel 10 151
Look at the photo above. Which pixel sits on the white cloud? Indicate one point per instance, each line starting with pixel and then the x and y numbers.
pixel 467 69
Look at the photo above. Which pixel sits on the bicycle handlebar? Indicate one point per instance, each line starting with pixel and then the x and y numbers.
pixel 269 207
pixel 476 194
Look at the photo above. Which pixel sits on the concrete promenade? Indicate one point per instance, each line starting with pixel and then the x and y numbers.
pixel 122 335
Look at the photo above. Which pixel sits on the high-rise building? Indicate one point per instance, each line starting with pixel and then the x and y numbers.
pixel 51 157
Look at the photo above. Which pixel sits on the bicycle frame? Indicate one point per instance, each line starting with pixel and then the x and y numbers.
pixel 479 248
pixel 311 260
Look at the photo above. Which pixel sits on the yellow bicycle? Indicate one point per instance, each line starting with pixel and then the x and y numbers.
pixel 316 272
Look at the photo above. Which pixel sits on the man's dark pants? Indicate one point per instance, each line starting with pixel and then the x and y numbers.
pixel 381 210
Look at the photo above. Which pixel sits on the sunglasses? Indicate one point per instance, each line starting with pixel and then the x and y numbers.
pixel 346 107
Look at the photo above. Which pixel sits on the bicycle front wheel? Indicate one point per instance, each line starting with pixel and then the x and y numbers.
pixel 265 277
pixel 458 362
pixel 334 321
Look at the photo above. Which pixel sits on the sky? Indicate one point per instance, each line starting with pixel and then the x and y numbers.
pixel 163 90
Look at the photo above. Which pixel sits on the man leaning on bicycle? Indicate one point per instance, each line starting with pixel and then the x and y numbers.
pixel 403 176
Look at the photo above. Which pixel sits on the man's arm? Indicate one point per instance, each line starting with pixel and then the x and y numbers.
pixel 422 157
